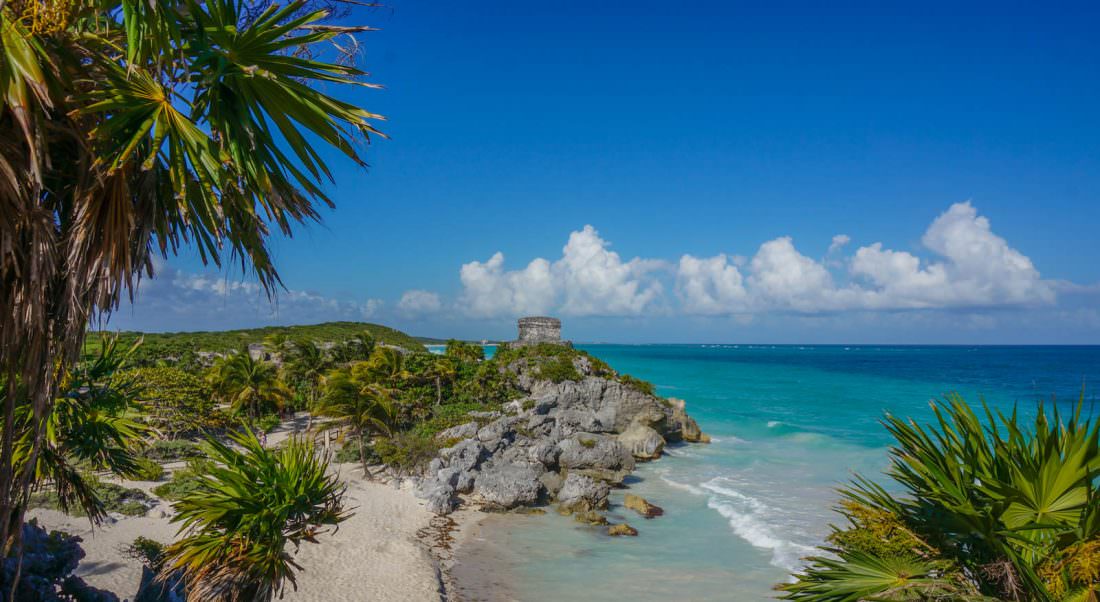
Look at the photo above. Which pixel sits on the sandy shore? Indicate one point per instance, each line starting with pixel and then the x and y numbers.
pixel 377 554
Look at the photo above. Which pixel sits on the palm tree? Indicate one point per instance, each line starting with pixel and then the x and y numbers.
pixel 130 129
pixel 463 351
pixel 386 365
pixel 990 510
pixel 86 428
pixel 306 364
pixel 245 514
pixel 250 386
pixel 439 370
pixel 357 402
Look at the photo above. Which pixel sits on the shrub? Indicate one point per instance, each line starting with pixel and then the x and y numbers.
pixel 558 369
pixel 268 422
pixel 185 480
pixel 148 470
pixel 166 450
pixel 175 401
pixel 638 384
pixel 114 497
pixel 349 453
pixel 148 551
pixel 406 452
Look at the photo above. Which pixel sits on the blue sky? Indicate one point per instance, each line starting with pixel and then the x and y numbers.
pixel 695 138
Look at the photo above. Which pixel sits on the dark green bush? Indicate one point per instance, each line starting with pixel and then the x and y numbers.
pixel 184 480
pixel 115 498
pixel 167 450
pixel 148 470
pixel 267 423
pixel 148 551
pixel 406 452
pixel 558 369
pixel 638 384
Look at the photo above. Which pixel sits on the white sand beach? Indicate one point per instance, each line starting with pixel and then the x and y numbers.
pixel 375 555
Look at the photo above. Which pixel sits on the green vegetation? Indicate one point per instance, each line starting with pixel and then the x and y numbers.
pixel 168 450
pixel 185 480
pixel 183 347
pixel 148 470
pixel 174 401
pixel 250 386
pixel 558 369
pixel 111 497
pixel 149 551
pixel 407 452
pixel 357 398
pixel 637 383
pixel 130 130
pixel 988 509
pixel 227 543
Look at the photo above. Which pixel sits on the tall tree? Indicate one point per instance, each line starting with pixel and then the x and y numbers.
pixel 130 128
pixel 355 400
pixel 250 386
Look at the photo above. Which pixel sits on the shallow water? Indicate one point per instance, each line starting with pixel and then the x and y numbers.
pixel 790 424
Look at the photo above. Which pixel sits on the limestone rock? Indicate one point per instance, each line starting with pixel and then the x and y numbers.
pixel 466 455
pixel 642 441
pixel 622 529
pixel 438 492
pixel 508 485
pixel 552 482
pixel 580 493
pixel 642 506
pixel 598 456
pixel 590 518
pixel 462 431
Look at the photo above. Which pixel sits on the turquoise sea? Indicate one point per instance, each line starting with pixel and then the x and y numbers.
pixel 790 423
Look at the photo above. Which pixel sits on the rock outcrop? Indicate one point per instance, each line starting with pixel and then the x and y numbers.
pixel 581 493
pixel 642 506
pixel 622 529
pixel 568 442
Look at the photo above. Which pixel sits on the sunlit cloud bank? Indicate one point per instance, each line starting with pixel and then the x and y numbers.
pixel 968 267
pixel 962 277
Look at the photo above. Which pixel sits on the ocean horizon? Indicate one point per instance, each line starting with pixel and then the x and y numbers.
pixel 790 424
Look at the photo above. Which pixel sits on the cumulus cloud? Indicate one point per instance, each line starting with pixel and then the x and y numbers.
pixel 839 241
pixel 710 286
pixel 588 279
pixel 973 268
pixel 418 302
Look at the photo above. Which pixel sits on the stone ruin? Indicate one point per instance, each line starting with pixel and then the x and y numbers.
pixel 539 329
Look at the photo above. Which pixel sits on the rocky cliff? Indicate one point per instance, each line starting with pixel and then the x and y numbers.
pixel 566 442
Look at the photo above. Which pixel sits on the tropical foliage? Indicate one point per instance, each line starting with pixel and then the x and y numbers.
pixel 249 385
pixel 246 516
pixel 174 402
pixel 85 429
pixel 356 399
pixel 981 508
pixel 129 129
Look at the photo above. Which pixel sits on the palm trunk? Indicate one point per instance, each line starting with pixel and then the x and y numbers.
pixel 438 392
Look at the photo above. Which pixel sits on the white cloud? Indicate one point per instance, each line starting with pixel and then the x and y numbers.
pixel 710 286
pixel 978 268
pixel 974 268
pixel 418 302
pixel 839 241
pixel 595 281
pixel 588 280
pixel 489 291
pixel 188 301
